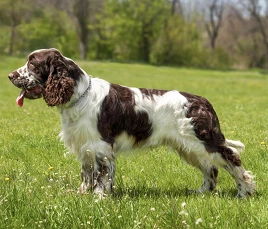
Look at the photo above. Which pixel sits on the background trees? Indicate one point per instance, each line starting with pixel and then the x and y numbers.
pixel 215 11
pixel 210 33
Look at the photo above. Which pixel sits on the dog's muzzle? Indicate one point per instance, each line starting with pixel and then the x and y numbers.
pixel 30 89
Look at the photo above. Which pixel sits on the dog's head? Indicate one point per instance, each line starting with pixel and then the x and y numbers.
pixel 48 74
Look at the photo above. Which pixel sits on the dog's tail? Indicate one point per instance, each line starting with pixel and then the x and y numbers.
pixel 237 146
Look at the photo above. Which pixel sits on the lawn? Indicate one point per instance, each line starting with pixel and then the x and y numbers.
pixel 39 178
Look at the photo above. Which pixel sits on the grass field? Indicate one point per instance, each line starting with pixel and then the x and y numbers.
pixel 39 179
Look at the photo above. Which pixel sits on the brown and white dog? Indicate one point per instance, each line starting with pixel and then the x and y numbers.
pixel 100 119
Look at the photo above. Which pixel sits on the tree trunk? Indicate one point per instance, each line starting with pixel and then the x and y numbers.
pixel 176 4
pixel 12 37
pixel 215 16
pixel 83 50
pixel 254 12
pixel 81 12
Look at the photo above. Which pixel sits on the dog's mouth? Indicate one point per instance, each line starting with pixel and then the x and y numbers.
pixel 33 93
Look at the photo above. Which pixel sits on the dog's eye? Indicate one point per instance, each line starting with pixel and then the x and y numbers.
pixel 35 68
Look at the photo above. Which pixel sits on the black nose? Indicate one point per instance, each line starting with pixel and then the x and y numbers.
pixel 11 75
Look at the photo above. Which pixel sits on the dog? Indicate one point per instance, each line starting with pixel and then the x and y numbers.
pixel 100 119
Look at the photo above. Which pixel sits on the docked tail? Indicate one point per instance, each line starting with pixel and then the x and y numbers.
pixel 236 146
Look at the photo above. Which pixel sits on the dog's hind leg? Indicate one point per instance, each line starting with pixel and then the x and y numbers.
pixel 202 162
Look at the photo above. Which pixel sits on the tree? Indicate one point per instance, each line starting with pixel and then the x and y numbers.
pixel 215 12
pixel 81 12
pixel 13 12
pixel 254 8
pixel 149 18
pixel 132 26
pixel 178 44
pixel 84 14
pixel 176 7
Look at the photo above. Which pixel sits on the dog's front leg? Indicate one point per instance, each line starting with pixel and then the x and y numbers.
pixel 104 173
pixel 87 173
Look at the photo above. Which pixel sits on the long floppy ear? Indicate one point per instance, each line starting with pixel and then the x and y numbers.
pixel 59 86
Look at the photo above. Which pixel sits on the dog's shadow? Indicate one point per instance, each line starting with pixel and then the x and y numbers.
pixel 172 192
pixel 143 192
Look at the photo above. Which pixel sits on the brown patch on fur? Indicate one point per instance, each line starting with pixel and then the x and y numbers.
pixel 207 127
pixel 151 92
pixel 205 121
pixel 118 114
pixel 228 155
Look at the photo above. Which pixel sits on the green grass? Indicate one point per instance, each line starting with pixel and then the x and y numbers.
pixel 39 179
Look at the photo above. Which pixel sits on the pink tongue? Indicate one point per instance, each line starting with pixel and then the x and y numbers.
pixel 20 98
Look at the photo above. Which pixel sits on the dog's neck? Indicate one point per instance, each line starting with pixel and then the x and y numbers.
pixel 79 95
pixel 74 103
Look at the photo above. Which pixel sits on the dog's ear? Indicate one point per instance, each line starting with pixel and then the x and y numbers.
pixel 59 85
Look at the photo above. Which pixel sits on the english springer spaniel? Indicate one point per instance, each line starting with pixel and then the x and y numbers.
pixel 99 119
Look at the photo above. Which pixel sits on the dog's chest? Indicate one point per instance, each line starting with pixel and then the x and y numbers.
pixel 79 132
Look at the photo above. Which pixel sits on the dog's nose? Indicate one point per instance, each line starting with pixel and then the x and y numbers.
pixel 11 75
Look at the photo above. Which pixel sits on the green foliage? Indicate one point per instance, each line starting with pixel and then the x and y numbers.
pixel 219 59
pixel 39 179
pixel 126 29
pixel 145 31
pixel 251 52
pixel 45 29
pixel 13 12
pixel 178 44
pixel 123 31
pixel 4 31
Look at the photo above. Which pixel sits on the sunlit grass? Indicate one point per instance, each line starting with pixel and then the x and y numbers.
pixel 39 178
